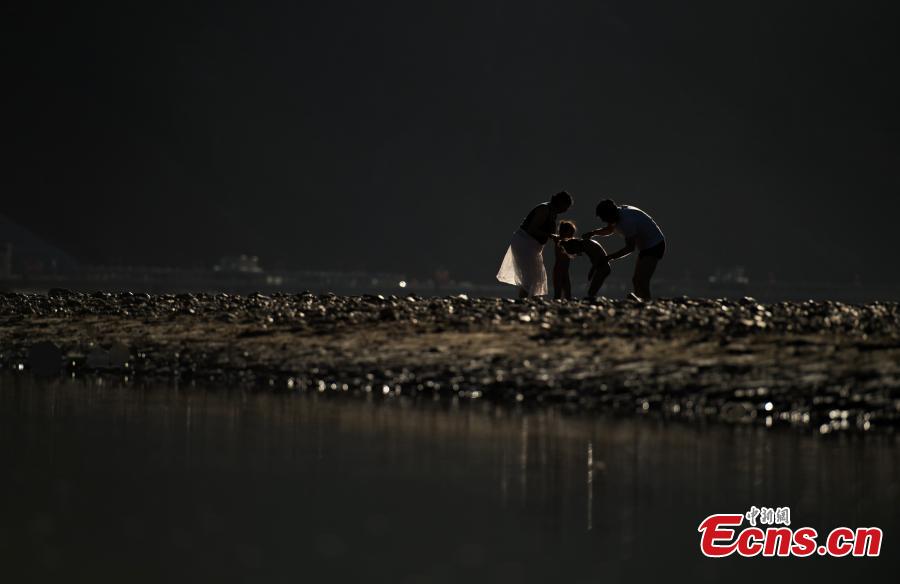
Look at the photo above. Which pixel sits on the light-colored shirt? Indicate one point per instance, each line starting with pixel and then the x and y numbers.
pixel 637 225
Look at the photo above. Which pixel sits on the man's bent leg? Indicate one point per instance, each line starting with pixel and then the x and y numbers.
pixel 643 271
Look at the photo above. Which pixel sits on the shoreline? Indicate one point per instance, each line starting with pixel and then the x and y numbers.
pixel 828 366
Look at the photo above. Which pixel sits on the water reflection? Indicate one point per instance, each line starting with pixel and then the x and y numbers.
pixel 112 483
pixel 590 486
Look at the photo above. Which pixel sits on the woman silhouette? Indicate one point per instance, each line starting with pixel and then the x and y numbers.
pixel 523 265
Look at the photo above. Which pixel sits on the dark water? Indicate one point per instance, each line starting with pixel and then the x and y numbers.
pixel 116 484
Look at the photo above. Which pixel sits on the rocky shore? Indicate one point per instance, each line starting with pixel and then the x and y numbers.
pixel 825 365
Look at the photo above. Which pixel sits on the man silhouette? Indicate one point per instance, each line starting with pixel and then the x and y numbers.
pixel 640 232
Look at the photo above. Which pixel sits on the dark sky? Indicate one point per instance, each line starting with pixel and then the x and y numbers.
pixel 409 135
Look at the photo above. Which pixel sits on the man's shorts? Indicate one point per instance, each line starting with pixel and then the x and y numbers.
pixel 657 251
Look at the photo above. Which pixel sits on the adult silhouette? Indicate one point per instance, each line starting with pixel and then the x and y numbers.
pixel 523 264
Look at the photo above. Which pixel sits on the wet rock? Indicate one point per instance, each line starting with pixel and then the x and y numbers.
pixel 118 356
pixel 684 356
pixel 97 358
pixel 45 358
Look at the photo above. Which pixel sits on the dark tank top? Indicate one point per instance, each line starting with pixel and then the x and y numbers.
pixel 549 226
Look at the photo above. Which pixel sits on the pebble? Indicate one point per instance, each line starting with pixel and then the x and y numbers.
pixel 818 334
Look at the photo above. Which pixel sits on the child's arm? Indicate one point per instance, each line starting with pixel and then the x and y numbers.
pixel 561 256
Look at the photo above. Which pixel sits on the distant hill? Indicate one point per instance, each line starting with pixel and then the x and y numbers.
pixel 29 253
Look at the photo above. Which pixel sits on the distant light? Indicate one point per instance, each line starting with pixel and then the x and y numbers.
pixel 769 406
pixel 403 283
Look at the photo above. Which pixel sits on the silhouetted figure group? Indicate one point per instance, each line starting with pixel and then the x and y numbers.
pixel 523 265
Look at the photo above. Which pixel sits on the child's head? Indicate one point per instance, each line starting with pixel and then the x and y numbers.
pixel 566 229
pixel 573 246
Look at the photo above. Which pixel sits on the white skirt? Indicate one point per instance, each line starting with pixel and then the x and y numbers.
pixel 523 265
